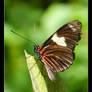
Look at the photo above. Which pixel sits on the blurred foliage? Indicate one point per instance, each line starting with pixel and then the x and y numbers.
pixel 47 16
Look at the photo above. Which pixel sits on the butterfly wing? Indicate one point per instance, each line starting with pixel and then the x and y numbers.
pixel 58 51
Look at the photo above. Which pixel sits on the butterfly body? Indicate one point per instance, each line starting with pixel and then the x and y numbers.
pixel 57 52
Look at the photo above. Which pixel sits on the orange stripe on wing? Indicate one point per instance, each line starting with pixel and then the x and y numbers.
pixel 45 62
pixel 60 68
pixel 60 61
pixel 51 62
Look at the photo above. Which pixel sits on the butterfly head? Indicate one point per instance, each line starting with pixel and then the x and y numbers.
pixel 36 47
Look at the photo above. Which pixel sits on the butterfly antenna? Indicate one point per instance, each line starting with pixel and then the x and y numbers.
pixel 22 37
pixel 35 28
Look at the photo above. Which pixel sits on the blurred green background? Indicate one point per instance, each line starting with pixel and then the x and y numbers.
pixel 47 16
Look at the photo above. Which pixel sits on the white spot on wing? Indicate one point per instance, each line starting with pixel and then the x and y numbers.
pixel 72 27
pixel 59 40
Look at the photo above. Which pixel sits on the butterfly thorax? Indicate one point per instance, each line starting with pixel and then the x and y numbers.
pixel 36 47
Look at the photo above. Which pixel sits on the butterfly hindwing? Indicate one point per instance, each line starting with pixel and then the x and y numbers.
pixel 58 58
pixel 58 51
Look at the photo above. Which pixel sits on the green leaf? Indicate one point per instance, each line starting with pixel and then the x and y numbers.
pixel 40 79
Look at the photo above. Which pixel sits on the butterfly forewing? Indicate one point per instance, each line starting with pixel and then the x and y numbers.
pixel 58 51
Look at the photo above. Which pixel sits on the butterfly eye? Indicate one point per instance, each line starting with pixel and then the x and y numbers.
pixel 36 48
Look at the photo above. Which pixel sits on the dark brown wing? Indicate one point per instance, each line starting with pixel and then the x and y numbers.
pixel 71 31
pixel 58 50
pixel 58 58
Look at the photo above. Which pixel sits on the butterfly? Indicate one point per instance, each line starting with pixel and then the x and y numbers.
pixel 57 52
